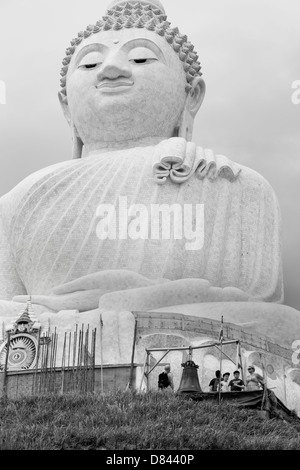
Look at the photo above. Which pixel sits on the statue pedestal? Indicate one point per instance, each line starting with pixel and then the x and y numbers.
pixel 266 340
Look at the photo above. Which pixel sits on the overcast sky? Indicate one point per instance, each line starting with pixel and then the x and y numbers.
pixel 250 53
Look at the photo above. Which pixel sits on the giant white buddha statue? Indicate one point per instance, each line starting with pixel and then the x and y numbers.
pixel 85 236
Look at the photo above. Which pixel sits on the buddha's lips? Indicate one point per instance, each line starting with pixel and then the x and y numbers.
pixel 114 84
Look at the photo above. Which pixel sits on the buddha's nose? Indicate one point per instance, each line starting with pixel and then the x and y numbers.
pixel 114 66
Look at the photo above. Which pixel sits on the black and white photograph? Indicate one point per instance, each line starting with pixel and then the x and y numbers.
pixel 149 227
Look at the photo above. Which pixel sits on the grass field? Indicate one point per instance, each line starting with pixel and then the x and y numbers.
pixel 129 421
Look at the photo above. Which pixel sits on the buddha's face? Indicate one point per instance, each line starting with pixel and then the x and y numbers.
pixel 125 84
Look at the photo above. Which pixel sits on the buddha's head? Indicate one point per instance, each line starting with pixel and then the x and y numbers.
pixel 130 77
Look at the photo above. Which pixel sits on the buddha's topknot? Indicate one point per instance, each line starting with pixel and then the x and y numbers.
pixel 139 15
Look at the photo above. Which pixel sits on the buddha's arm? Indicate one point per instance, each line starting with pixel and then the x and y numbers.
pixel 10 282
pixel 261 271
pixel 125 290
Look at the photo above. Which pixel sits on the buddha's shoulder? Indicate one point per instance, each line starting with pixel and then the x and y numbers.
pixel 235 172
pixel 255 184
pixel 184 161
pixel 12 199
pixel 218 167
pixel 254 189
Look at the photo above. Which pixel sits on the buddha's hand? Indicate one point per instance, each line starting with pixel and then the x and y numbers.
pixel 83 294
pixel 83 301
pixel 171 293
pixel 126 290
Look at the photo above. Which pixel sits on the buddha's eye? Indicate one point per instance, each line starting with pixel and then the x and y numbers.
pixel 142 55
pixel 89 66
pixel 140 61
pixel 90 60
pixel 143 61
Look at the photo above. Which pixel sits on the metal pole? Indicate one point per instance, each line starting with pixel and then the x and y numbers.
pixel 265 392
pixel 69 350
pixel 41 370
pixel 46 358
pixel 284 383
pixel 54 360
pixel 51 351
pixel 224 354
pixel 51 361
pixel 74 346
pixel 63 364
pixel 132 356
pixel 44 353
pixel 147 371
pixel 5 367
pixel 101 354
pixel 158 362
pixel 88 361
pixel 241 362
pixel 47 376
pixel 74 356
pixel 86 358
pixel 94 359
pixel 143 374
pixel 264 370
pixel 69 357
pixel 34 387
pixel 79 359
pixel 220 374
pixel 83 360
pixel 221 339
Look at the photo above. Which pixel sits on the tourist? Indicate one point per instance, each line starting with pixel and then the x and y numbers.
pixel 236 384
pixel 254 381
pixel 165 379
pixel 225 382
pixel 214 383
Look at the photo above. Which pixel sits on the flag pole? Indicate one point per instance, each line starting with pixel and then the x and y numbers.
pixel 221 349
pixel 101 354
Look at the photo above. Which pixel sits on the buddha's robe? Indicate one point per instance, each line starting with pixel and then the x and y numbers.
pixel 50 221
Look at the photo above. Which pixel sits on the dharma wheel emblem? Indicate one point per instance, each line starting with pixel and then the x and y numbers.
pixel 23 343
pixel 22 352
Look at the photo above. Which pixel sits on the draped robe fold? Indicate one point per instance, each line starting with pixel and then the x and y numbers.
pixel 50 221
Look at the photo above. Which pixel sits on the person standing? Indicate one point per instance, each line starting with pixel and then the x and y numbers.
pixel 254 381
pixel 165 379
pixel 225 382
pixel 215 382
pixel 236 384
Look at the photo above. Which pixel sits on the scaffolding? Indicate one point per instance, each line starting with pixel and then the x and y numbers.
pixel 147 369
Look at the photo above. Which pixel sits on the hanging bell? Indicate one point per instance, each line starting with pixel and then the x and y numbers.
pixel 189 380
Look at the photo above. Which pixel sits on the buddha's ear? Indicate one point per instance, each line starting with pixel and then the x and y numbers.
pixel 77 142
pixel 192 104
pixel 196 96
pixel 64 106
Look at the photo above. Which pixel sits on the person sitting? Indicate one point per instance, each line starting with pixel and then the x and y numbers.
pixel 214 383
pixel 165 379
pixel 254 381
pixel 236 384
pixel 225 382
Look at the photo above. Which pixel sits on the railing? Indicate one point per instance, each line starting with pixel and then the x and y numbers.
pixel 147 321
